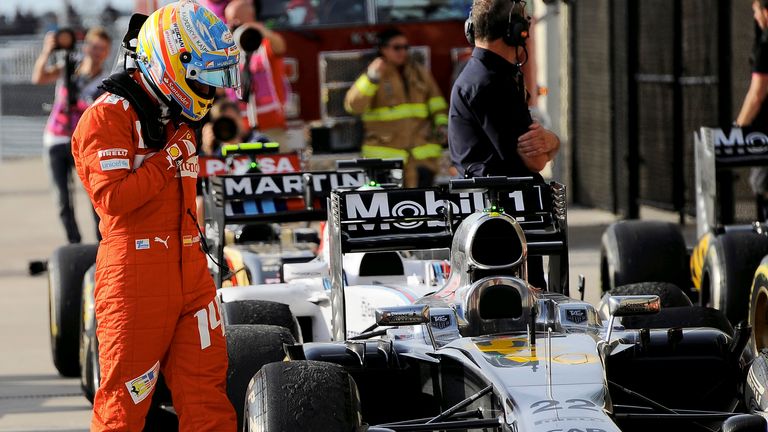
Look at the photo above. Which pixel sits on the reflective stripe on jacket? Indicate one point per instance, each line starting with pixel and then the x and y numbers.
pixel 399 113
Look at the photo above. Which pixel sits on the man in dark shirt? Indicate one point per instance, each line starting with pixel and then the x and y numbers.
pixel 754 110
pixel 490 130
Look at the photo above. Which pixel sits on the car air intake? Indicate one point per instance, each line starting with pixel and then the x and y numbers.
pixel 500 302
pixel 381 264
pixel 497 305
pixel 496 243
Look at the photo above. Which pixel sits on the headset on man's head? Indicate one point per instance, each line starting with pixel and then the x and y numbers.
pixel 518 26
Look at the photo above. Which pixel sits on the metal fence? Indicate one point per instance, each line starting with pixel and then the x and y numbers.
pixel 647 74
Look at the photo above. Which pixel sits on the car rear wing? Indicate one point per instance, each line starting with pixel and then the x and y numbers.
pixel 403 219
pixel 716 150
pixel 410 219
pixel 285 197
pixel 270 198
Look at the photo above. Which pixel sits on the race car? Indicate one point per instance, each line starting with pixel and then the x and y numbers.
pixel 719 270
pixel 486 350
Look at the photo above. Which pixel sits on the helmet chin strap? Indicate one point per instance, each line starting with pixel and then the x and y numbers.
pixel 169 109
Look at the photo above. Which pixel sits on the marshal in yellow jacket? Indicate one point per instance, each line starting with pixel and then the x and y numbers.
pixel 400 113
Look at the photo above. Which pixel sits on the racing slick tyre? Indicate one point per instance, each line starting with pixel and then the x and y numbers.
pixel 680 317
pixel 744 423
pixel 758 309
pixel 249 347
pixel 669 294
pixel 728 270
pixel 66 270
pixel 640 251
pixel 303 396
pixel 260 312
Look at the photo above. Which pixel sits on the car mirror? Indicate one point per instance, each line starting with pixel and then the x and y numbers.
pixel 402 315
pixel 619 306
pixel 634 305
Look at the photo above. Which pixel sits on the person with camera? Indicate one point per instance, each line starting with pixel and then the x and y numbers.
pixel 77 85
pixel 265 84
pixel 225 127
pixel 136 153
pixel 402 109
pixel 490 130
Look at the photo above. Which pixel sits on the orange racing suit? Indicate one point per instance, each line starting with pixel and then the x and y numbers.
pixel 155 299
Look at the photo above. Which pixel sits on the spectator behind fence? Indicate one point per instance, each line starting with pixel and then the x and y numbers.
pixel 77 86
pixel 265 85
pixel 490 130
pixel 403 111
pixel 754 111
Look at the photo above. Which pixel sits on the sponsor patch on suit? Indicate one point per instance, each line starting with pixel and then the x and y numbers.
pixel 113 152
pixel 189 240
pixel 115 164
pixel 141 387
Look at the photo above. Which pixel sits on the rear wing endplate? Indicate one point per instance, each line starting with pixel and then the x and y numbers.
pixel 717 149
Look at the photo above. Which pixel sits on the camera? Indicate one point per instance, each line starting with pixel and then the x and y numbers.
pixel 225 129
pixel 247 38
pixel 65 39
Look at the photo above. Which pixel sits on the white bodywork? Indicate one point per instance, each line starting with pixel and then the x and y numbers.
pixel 307 291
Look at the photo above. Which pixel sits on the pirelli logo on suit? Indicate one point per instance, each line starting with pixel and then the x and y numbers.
pixel 113 152
pixel 113 159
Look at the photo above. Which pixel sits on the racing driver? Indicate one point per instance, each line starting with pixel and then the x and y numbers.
pixel 135 153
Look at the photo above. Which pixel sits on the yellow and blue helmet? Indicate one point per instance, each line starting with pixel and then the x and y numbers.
pixel 183 45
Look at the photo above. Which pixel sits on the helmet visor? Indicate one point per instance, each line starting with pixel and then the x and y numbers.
pixel 226 77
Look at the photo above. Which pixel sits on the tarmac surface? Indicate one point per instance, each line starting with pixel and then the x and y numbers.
pixel 33 397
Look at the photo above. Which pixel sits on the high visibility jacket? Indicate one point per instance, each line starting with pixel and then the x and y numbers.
pixel 399 113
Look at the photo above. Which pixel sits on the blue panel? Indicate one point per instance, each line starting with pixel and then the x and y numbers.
pixel 268 206
pixel 250 208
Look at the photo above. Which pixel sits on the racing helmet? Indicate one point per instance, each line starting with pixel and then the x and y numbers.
pixel 183 45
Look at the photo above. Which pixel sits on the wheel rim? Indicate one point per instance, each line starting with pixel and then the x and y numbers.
pixel 95 372
pixel 760 319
